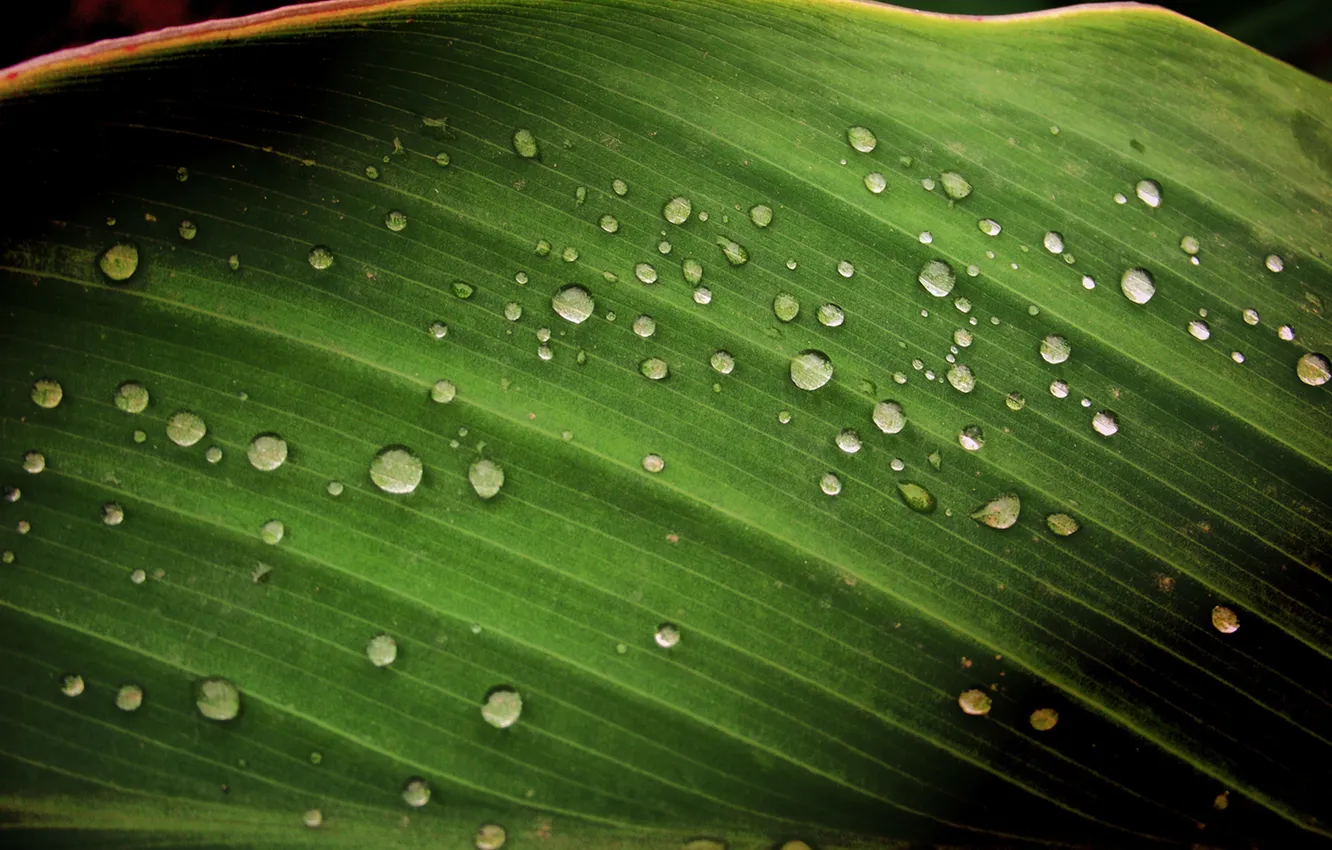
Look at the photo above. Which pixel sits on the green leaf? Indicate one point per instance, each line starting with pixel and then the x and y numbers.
pixel 299 400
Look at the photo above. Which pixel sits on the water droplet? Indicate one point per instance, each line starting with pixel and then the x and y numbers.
pixel 962 378
pixel 272 532
pixel 761 215
pixel 313 818
pixel 1286 333
pixel 785 307
pixel 381 649
pixel 1062 524
pixel 1225 620
pixel 71 685
pixel 574 304
pixel 1313 369
pixel 938 278
pixel 131 397
pixel 490 836
pixel 962 338
pixel 875 182
pixel 830 484
pixel 861 138
pixel 185 428
pixel 395 220
pixel 677 210
pixel 217 699
pixel 129 697
pixel 792 264
pixel 395 469
pixel 1273 262
pixel 580 195
pixel 848 440
pixel 502 707
pixel 1138 285
pixel 889 417
pixel 23 526
pixel 524 143
pixel 653 463
pixel 989 227
pixel 320 257
pixel 702 295
pixel 609 223
pixel 416 793
pixel 927 184
pixel 811 369
pixel 1189 245
pixel 1251 316
pixel 916 497
pixel 955 186
pixel 971 438
pixel 1059 389
pixel 975 702
pixel 371 172
pixel 513 311
pixel 1088 282
pixel 47 393
pixel 735 253
pixel 569 254
pixel 830 315
pixel 267 452
pixel 1105 423
pixel 543 248
pixel 182 174
pixel 1044 719
pixel 645 273
pixel 645 326
pixel 845 269
pixel 1054 242
pixel 722 362
pixel 113 514
pixel 1149 192
pixel 487 477
pixel 619 187
pixel 439 330
pixel 1001 512
pixel 120 261
pixel 1120 198
pixel 654 368
pixel 140 436
pixel 1055 349
pixel 334 488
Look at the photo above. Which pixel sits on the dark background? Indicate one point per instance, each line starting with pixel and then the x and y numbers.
pixel 1296 31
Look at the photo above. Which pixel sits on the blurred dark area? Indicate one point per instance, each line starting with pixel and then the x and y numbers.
pixel 1298 32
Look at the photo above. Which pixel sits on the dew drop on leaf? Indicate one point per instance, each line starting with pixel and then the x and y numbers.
pixel 1225 620
pixel 313 818
pixel 761 215
pixel 916 497
pixel 321 257
pixel 47 393
pixel 722 362
pixel 524 143
pixel 382 650
pixel 395 220
pixel 34 462
pixel 667 635
pixel 1054 242
pixel 185 428
pixel 961 378
pixel 735 253
pixel 677 210
pixel 645 326
pixel 267 452
pixel 486 477
pixel 490 836
pixel 396 469
pixel 702 295
pixel 1313 369
pixel 619 187
pixel 416 793
pixel 875 182
pixel 848 440
pixel 1149 192
pixel 1055 349
pixel 645 273
pixel 830 315
pixel 830 484
pixel 955 186
pixel 129 698
pixel 1138 285
pixel 217 699
pixel 1286 333
pixel 861 138
pixel 653 463
pixel 974 702
pixel 1274 263
pixel 574 304
pixel 120 261
pixel 439 330
pixel 989 227
pixel 811 369
pixel 1044 719
pixel 692 270
pixel 112 514
pixel 1062 524
pixel 213 454
pixel 502 707
pixel 1199 329
pixel 1189 245
pixel 785 307
pixel 845 269
pixel 1000 512
pixel 71 685
pixel 938 278
pixel 654 368
pixel 889 417
pixel 335 488
pixel 1251 317
pixel 272 532
pixel 971 438
pixel 443 392
pixel 1105 423
pixel 609 223
pixel 131 397
pixel 542 248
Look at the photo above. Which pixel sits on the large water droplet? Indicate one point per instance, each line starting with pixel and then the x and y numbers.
pixel 524 143
pixel 785 307
pixel 267 452
pixel 677 210
pixel 113 514
pixel 416 793
pixel 1199 329
pixel 1286 333
pixel 971 438
pixel 185 428
pixel 811 369
pixel 989 227
pixel 131 397
pixel 645 273
pixel 961 377
pixel 1054 242
pixel 889 417
pixel 761 215
pixel 321 257
pixel 396 470
pixel 1225 620
pixel 723 362
pixel 1000 512
pixel 830 484
pixel 272 532
pixel 487 477
pixel 1313 369
pixel 34 463
pixel 1189 245
pixel 217 699
pixel 573 304
pixel 395 220
pixel 975 702
pixel 1149 192
pixel 129 698
pixel 692 270
pixel 1043 719
pixel 938 278
pixel 1105 423
pixel 490 836
pixel 955 186
pixel 1138 285
pixel 667 635
pixel 848 440
pixel 830 315
pixel 654 368
pixel 1062 524
pixel 502 707
pixel 382 650
pixel 735 253
pixel 47 393
pixel 1274 263
pixel 916 497
pixel 71 685
pixel 845 269
pixel 645 326
pixel 1055 349
pixel 120 261
pixel 875 182
pixel 861 138
pixel 653 463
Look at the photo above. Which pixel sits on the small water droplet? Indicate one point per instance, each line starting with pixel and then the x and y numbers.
pixel 1138 285
pixel 916 497
pixel 487 477
pixel 645 273
pixel 1105 423
pixel 955 186
pixel 861 138
pixel 543 248
pixel 702 295
pixel 439 330
pixel 71 685
pixel 845 269
pixel 792 264
pixel 926 237
pixel 140 436
pixel 1251 316
pixel 653 463
pixel 1225 620
pixel 654 368
pixel 938 278
pixel 761 215
pixel 502 707
pixel 524 143
pixel 677 210
pixel 785 307
pixel 1313 369
pixel 722 362
pixel 889 417
pixel 267 452
pixel 1054 242
pixel 47 393
pixel 975 702
pixel 619 187
pixel 1121 198
pixel 811 369
pixel 1199 329
pixel 989 227
pixel 321 257
pixel 574 304
pixel 1149 192
pixel 735 253
pixel 334 488
pixel 1059 389
pixel 23 526
pixel 131 397
pixel 120 261
pixel 962 378
pixel 113 514
pixel 875 182
pixel 1189 245
pixel 830 315
pixel 416 793
pixel 1044 719
pixel 513 311
pixel 645 326
pixel 313 818
pixel 830 484
pixel 569 254
pixel 382 650
pixel 272 532
pixel 395 220
pixel 971 438
pixel 848 440
pixel 129 698
pixel 185 428
pixel 1001 512
pixel 217 699
pixel 396 469
pixel 1286 333
pixel 1274 263
pixel 1055 349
